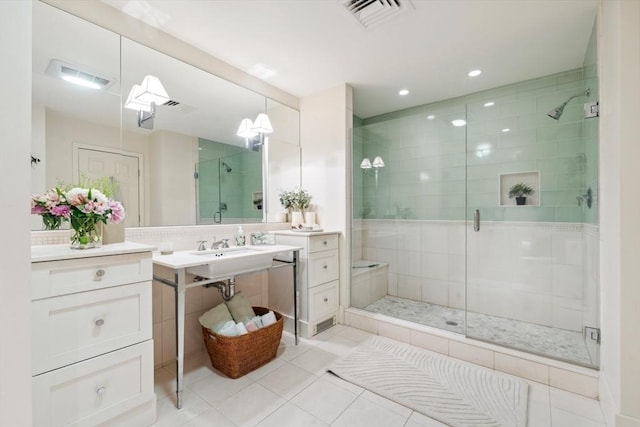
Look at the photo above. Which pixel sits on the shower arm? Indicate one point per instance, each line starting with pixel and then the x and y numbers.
pixel 585 93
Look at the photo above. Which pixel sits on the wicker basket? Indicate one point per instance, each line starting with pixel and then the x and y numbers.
pixel 239 355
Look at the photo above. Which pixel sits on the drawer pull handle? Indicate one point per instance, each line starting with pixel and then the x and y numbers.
pixel 324 266
pixel 326 299
pixel 100 272
pixel 101 390
pixel 324 243
pixel 99 322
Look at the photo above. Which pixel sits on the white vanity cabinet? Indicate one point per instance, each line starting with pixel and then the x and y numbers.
pixel 91 336
pixel 319 274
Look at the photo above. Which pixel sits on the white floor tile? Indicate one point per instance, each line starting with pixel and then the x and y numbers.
pixel 418 420
pixel 266 369
pixel 539 414
pixel 355 389
pixel 295 390
pixel 357 335
pixel 164 383
pixel 575 404
pixel 337 345
pixel 386 403
pixel 315 360
pixel 217 388
pixel 325 400
pixel 209 418
pixel 560 418
pixel 289 415
pixel 364 413
pixel 288 350
pixel 169 416
pixel 251 405
pixel 288 380
pixel 539 392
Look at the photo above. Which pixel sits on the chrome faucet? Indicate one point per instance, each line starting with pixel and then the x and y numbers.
pixel 224 243
pixel 201 245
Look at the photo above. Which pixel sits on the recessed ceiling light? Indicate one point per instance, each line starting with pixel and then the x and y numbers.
pixel 431 117
pixel 458 122
pixel 403 92
pixel 506 130
pixel 474 73
pixel 489 104
pixel 262 71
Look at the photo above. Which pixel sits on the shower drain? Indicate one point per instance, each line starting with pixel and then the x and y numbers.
pixel 451 323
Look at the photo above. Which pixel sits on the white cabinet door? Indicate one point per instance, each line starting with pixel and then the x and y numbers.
pixel 95 391
pixel 55 278
pixel 74 327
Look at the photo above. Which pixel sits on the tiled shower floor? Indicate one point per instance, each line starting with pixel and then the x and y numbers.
pixel 544 340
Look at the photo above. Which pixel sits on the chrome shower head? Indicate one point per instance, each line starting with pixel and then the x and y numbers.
pixel 557 112
pixel 226 167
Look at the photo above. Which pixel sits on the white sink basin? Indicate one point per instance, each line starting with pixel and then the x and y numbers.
pixel 222 263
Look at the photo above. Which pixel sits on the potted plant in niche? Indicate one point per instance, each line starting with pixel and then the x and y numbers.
pixel 520 191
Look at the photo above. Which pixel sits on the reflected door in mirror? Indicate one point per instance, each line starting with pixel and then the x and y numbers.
pixel 122 171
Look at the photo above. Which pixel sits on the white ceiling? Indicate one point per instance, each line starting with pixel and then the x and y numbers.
pixel 313 45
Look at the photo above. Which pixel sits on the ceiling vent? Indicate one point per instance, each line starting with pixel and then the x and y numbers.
pixel 74 74
pixel 371 13
pixel 178 106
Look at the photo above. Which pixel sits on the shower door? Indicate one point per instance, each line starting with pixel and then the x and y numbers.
pixel 229 189
pixel 531 282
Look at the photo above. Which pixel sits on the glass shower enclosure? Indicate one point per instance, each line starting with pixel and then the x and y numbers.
pixel 439 238
pixel 228 183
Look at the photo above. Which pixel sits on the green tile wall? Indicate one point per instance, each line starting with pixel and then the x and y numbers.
pixel 234 188
pixel 436 171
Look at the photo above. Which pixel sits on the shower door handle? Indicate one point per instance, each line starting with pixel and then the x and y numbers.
pixel 476 220
pixel 217 217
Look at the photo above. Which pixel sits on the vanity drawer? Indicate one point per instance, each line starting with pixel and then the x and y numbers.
pixel 55 278
pixel 323 243
pixel 323 301
pixel 322 267
pixel 71 328
pixel 97 391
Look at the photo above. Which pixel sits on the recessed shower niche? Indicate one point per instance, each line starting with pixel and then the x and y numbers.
pixel 508 180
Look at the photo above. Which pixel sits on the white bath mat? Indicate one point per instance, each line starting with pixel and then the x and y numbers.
pixel 455 393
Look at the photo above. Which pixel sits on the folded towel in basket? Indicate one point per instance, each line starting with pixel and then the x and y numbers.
pixel 216 318
pixel 268 319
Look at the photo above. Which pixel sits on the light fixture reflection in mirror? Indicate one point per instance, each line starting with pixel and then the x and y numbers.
pixel 250 130
pixel 144 97
pixel 377 163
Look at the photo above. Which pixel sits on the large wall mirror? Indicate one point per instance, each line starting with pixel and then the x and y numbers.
pixel 182 164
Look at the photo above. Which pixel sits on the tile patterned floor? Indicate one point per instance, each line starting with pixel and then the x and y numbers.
pixel 545 340
pixel 295 391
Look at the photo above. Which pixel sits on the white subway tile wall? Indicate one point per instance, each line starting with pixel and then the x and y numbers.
pixel 533 272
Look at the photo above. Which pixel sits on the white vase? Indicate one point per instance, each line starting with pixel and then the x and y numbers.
pixel 297 220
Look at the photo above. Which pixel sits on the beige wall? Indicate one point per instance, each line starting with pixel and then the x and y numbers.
pixel 619 63
pixel 173 195
pixel 326 120
pixel 15 140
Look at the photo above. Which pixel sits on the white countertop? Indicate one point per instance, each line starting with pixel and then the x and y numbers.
pixel 303 233
pixel 184 259
pixel 42 253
